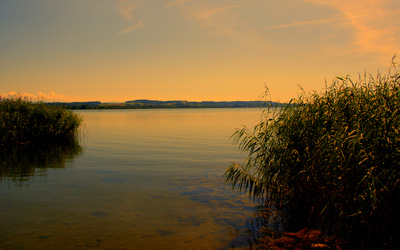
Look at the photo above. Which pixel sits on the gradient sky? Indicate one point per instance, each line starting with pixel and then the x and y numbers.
pixel 195 50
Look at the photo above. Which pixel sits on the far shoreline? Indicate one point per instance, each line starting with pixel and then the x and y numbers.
pixel 155 104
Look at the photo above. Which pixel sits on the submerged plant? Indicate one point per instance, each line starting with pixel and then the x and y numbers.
pixel 330 160
pixel 22 121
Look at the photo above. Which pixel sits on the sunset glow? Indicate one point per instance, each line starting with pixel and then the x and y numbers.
pixel 203 50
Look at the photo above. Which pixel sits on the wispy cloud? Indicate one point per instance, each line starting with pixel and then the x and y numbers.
pixel 177 3
pixel 51 96
pixel 224 18
pixel 218 17
pixel 132 28
pixel 126 8
pixel 295 24
pixel 376 23
pixel 208 14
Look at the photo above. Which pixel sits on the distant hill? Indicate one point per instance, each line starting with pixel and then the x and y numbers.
pixel 78 105
pixel 148 104
pixel 204 104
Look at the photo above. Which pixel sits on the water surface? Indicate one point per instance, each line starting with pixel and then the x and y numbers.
pixel 142 179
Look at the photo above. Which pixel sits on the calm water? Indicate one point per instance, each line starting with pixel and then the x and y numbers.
pixel 140 179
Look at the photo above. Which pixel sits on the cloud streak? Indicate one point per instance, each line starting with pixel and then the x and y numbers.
pixel 376 23
pixel 132 28
pixel 177 3
pixel 51 96
pixel 218 17
pixel 125 9
pixel 296 24
pixel 224 18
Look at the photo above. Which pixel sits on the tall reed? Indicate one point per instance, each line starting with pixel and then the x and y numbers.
pixel 23 121
pixel 330 160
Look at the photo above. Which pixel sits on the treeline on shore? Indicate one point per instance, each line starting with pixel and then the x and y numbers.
pixel 155 104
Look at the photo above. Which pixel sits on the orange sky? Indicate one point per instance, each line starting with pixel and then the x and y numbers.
pixel 195 50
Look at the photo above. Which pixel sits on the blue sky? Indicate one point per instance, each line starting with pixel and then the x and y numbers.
pixel 197 50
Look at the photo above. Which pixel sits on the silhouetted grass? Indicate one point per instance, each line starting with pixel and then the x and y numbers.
pixel 330 161
pixel 22 121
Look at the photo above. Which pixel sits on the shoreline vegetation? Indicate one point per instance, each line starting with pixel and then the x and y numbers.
pixel 327 164
pixel 23 121
pixel 155 104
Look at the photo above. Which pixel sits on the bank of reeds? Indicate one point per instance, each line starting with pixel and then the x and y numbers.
pixel 23 121
pixel 330 161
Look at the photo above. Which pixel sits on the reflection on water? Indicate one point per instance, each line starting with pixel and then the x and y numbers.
pixel 18 164
pixel 148 179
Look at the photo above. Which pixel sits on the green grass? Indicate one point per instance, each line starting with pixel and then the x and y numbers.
pixel 22 121
pixel 330 160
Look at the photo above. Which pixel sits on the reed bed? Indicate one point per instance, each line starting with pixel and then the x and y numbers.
pixel 330 161
pixel 23 121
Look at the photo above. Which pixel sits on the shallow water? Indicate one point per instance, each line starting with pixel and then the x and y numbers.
pixel 138 179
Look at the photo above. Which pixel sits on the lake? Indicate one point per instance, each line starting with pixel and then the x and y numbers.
pixel 137 179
